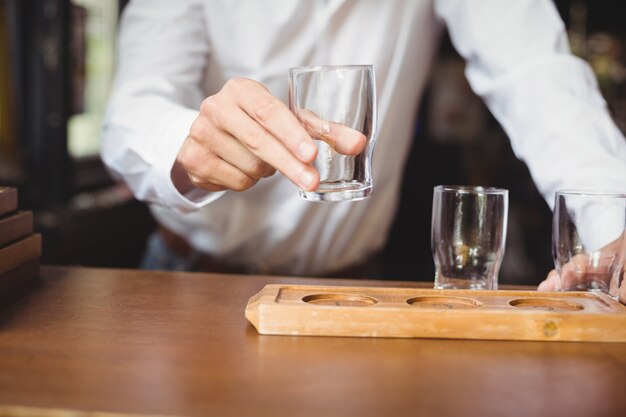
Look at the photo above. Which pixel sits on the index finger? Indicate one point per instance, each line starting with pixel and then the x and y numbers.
pixel 343 139
pixel 273 115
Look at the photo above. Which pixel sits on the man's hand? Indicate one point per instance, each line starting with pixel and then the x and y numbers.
pixel 580 269
pixel 552 283
pixel 243 134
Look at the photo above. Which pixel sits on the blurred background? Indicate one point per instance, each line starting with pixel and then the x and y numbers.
pixel 56 65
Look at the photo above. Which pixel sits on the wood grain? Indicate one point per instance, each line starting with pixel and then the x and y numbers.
pixel 139 342
pixel 451 314
pixel 20 411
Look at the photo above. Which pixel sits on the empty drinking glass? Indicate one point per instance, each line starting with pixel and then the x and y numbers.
pixel 589 240
pixel 468 236
pixel 334 101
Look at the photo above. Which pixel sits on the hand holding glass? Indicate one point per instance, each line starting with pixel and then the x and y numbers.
pixel 589 240
pixel 337 106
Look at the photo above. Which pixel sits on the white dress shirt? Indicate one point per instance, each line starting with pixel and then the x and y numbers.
pixel 173 54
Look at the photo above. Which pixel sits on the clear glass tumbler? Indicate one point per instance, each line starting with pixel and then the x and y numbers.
pixel 468 236
pixel 332 101
pixel 589 240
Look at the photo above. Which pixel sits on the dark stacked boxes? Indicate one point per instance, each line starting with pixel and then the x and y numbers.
pixel 20 248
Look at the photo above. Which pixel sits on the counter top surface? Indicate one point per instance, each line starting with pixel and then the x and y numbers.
pixel 170 343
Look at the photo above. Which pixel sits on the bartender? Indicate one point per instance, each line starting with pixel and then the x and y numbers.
pixel 197 124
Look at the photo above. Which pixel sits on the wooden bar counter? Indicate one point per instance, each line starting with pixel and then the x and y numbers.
pixel 106 342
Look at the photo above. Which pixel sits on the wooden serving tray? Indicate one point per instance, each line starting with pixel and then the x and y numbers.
pixel 429 313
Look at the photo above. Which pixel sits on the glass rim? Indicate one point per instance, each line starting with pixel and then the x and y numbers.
pixel 313 68
pixel 471 189
pixel 581 192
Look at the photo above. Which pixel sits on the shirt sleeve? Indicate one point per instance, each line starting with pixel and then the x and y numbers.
pixel 162 54
pixel 546 99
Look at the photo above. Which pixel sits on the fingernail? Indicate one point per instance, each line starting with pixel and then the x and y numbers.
pixel 306 179
pixel 306 150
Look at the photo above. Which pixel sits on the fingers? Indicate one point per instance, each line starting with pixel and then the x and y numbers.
pixel 272 151
pixel 551 283
pixel 343 139
pixel 208 171
pixel 271 114
pixel 214 160
pixel 230 150
pixel 265 126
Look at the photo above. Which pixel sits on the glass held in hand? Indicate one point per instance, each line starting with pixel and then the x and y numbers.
pixel 468 236
pixel 337 107
pixel 589 240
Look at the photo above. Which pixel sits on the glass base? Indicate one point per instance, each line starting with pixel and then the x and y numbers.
pixel 346 191
pixel 465 284
pixel 591 285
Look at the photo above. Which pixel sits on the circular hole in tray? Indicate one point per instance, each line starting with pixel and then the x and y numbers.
pixel 545 304
pixel 438 302
pixel 340 300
